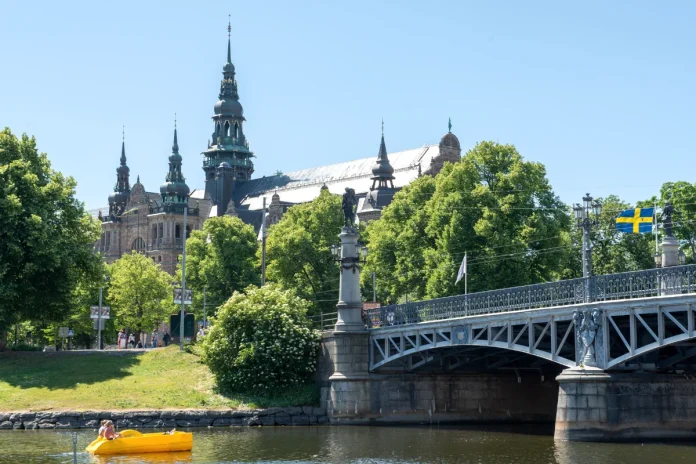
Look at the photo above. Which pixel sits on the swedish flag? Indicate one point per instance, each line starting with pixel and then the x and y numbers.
pixel 635 221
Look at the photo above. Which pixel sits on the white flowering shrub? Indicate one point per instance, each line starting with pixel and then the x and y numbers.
pixel 261 339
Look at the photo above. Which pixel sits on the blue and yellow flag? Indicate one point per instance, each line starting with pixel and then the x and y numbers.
pixel 635 221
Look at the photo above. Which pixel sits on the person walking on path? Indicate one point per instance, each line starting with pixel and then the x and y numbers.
pixel 131 340
pixel 122 339
pixel 166 339
pixel 154 339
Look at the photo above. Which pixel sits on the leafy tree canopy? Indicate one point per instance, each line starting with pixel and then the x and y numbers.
pixel 222 257
pixel 298 250
pixel 261 340
pixel 494 205
pixel 140 292
pixel 46 237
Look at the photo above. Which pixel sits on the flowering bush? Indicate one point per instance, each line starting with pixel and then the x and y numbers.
pixel 261 339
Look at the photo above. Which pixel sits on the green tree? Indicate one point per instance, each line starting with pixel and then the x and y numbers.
pixel 298 250
pixel 140 293
pixel 612 251
pixel 222 257
pixel 493 205
pixel 261 340
pixel 46 237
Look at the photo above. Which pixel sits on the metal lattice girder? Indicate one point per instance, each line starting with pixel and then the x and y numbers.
pixel 627 285
pixel 627 329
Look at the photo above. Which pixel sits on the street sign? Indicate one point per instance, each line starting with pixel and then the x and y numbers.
pixel 71 333
pixel 94 312
pixel 96 324
pixel 188 297
pixel 63 332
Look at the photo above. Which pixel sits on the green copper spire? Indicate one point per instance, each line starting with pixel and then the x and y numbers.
pixel 229 34
pixel 449 125
pixel 175 146
pixel 382 171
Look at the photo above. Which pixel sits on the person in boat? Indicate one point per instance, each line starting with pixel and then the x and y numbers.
pixel 102 429
pixel 109 432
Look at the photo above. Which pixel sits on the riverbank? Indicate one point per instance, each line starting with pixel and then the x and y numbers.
pixel 162 380
pixel 306 415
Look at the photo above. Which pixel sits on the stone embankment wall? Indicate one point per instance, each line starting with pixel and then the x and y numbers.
pixel 305 415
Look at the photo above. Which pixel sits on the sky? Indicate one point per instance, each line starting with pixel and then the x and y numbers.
pixel 601 93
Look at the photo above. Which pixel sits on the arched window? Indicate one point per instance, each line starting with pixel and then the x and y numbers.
pixel 108 240
pixel 154 233
pixel 217 130
pixel 138 244
pixel 227 128
pixel 236 130
pixel 160 234
pixel 177 231
pixel 159 259
pixel 188 231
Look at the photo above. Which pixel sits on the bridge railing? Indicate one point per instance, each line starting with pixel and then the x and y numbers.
pixel 638 284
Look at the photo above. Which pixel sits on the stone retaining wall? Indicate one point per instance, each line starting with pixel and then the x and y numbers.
pixel 305 415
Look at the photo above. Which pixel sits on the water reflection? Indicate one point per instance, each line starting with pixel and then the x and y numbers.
pixel 362 445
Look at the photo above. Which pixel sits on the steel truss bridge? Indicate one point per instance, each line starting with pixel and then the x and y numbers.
pixel 636 321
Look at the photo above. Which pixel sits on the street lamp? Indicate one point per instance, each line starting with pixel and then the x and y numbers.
pixel 658 259
pixel 350 262
pixel 587 216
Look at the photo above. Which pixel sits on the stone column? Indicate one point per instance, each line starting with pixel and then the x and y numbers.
pixel 594 405
pixel 670 252
pixel 349 298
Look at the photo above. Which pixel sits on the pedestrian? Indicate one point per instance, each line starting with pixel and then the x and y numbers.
pixel 122 339
pixel 166 339
pixel 131 340
pixel 201 332
pixel 154 339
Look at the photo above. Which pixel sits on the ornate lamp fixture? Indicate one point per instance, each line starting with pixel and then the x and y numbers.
pixel 350 262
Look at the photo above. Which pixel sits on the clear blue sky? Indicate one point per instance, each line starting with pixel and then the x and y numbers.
pixel 602 93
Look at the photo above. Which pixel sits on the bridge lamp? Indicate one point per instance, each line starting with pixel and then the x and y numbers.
pixel 336 251
pixel 681 257
pixel 658 259
pixel 362 251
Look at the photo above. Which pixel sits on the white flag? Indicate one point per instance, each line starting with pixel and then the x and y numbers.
pixel 462 270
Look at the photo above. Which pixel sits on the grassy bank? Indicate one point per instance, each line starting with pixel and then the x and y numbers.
pixel 160 379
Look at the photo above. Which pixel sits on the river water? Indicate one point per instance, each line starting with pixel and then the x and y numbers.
pixel 363 445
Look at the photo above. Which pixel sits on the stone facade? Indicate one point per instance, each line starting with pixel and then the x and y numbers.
pixel 305 415
pixel 148 229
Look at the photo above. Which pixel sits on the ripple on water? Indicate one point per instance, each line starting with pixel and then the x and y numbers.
pixel 357 445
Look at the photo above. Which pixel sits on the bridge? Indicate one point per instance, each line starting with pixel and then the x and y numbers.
pixel 609 357
pixel 640 320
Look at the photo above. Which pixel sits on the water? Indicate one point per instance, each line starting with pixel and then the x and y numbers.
pixel 362 445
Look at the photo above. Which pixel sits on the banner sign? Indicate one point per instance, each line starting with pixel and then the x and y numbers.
pixel 188 297
pixel 105 312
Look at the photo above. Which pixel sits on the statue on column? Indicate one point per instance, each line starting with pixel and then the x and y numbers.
pixel 348 205
pixel 667 213
pixel 587 325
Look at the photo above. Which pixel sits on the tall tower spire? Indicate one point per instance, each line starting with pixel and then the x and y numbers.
pixel 118 199
pixel 174 190
pixel 228 143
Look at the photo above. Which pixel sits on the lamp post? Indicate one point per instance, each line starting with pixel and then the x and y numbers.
pixel 183 280
pixel 587 216
pixel 99 317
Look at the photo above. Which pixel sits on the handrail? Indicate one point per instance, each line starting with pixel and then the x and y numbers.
pixel 636 284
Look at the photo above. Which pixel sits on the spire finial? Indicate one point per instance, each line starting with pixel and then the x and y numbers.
pixel 229 34
pixel 138 181
pixel 382 127
pixel 175 146
pixel 449 125
pixel 123 146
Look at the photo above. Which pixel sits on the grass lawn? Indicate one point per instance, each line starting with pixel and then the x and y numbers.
pixel 164 378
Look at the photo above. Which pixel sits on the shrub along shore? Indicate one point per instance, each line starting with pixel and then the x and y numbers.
pixel 161 379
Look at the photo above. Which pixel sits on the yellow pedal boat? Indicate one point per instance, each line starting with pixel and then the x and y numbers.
pixel 134 442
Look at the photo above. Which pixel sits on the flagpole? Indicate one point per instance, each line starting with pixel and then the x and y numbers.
pixel 466 276
pixel 656 246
